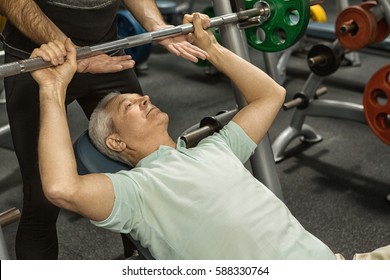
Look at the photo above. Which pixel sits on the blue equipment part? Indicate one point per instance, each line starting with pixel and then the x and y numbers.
pixel 166 7
pixel 129 26
pixel 90 160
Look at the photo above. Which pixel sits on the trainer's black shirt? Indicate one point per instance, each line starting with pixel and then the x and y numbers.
pixel 86 22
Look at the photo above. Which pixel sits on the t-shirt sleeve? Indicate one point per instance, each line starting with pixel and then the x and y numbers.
pixel 238 141
pixel 125 212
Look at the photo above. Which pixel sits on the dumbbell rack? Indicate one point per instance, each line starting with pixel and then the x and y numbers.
pixel 318 108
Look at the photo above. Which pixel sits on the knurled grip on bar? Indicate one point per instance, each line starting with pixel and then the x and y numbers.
pixel 31 64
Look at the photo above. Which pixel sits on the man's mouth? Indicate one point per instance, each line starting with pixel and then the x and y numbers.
pixel 150 110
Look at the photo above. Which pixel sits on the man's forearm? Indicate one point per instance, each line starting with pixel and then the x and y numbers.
pixel 147 13
pixel 56 157
pixel 31 21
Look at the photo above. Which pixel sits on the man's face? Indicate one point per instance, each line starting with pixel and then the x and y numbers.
pixel 136 118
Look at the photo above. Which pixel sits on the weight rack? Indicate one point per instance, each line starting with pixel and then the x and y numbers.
pixel 319 108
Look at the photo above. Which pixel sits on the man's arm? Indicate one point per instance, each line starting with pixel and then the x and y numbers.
pixel 31 21
pixel 149 16
pixel 263 95
pixel 91 195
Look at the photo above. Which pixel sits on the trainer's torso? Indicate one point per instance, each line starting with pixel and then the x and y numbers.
pixel 86 22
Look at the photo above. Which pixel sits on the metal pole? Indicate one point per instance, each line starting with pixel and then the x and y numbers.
pixel 386 9
pixel 262 161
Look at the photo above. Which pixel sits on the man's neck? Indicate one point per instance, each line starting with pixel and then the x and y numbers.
pixel 147 149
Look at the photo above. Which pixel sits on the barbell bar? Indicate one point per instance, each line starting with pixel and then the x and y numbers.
pixel 32 64
pixel 259 13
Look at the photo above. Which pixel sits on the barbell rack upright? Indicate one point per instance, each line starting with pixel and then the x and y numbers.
pixel 262 161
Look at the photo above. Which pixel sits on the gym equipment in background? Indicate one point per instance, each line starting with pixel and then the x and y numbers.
pixel 376 103
pixel 285 24
pixel 324 59
pixel 361 25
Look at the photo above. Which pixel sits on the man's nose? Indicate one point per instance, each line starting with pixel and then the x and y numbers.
pixel 144 101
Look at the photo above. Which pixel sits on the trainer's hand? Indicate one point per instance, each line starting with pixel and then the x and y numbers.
pixel 63 57
pixel 180 45
pixel 104 63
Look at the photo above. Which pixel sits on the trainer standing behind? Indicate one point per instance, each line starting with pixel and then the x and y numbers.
pixel 87 22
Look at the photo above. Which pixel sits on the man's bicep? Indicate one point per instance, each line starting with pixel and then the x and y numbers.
pixel 255 119
pixel 95 197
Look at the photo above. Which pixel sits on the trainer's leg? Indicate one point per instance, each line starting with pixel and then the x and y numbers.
pixel 36 236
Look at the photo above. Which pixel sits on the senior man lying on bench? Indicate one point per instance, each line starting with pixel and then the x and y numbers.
pixel 197 203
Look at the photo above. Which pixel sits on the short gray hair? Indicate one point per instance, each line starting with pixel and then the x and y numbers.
pixel 101 125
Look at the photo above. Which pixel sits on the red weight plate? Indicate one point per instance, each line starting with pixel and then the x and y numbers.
pixel 366 28
pixel 376 103
pixel 383 29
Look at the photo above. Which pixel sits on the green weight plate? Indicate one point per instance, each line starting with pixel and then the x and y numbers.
pixel 285 26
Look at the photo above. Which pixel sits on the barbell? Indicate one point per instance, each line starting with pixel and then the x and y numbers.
pixel 285 21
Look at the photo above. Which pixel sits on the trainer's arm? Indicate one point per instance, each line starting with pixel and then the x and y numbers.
pixel 263 95
pixel 35 25
pixel 91 195
pixel 149 16
pixel 31 21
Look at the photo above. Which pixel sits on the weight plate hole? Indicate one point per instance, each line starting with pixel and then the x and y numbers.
pixel 260 34
pixel 380 97
pixel 387 121
pixel 383 121
pixel 293 17
pixel 280 36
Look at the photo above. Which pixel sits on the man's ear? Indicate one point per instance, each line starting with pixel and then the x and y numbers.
pixel 115 143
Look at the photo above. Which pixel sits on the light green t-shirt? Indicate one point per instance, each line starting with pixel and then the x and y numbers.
pixel 202 203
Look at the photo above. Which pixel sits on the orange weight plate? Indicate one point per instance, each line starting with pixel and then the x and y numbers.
pixel 362 24
pixel 376 103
